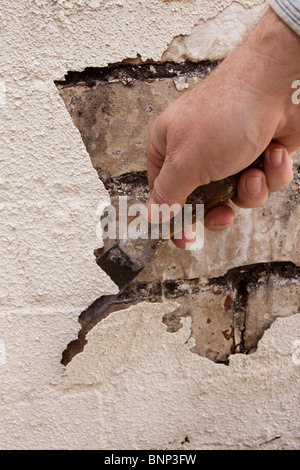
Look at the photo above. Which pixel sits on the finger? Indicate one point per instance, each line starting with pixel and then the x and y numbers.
pixel 252 189
pixel 277 167
pixel 220 218
pixel 174 183
pixel 155 160
pixel 162 178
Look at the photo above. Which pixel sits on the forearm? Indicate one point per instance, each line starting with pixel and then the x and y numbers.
pixel 267 63
pixel 272 52
pixel 275 40
pixel 219 127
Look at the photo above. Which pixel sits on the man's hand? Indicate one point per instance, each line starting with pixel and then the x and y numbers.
pixel 218 128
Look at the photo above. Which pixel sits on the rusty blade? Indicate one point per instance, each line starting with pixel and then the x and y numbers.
pixel 124 261
pixel 122 272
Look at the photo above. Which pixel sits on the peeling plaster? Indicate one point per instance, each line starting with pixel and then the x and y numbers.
pixel 241 296
pixel 193 391
pixel 215 38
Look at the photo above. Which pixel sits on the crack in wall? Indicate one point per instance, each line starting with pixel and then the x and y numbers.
pixel 247 279
pixel 127 73
pixel 241 280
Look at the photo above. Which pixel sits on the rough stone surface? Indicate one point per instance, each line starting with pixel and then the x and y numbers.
pixel 125 104
pixel 266 302
pixel 107 112
pixel 113 112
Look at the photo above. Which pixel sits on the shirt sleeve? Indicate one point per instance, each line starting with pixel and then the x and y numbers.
pixel 289 12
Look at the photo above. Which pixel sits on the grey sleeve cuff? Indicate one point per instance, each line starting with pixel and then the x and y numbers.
pixel 289 12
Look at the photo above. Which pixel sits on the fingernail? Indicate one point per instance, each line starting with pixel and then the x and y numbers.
pixel 254 185
pixel 221 226
pixel 276 156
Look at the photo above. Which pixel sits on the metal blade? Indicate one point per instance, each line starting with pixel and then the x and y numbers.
pixel 122 272
pixel 126 259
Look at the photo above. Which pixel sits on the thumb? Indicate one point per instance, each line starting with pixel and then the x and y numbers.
pixel 170 190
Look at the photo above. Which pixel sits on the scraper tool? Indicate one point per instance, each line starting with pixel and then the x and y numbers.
pixel 125 260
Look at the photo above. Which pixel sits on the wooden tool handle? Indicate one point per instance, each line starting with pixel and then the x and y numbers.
pixel 215 194
pixel 212 195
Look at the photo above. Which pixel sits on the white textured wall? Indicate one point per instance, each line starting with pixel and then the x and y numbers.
pixel 135 385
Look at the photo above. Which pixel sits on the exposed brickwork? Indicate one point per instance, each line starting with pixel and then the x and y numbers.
pixel 231 292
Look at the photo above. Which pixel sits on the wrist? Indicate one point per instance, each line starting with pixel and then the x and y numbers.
pixel 276 49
